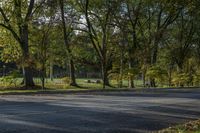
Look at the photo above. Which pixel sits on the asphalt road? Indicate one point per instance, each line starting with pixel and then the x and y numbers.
pixel 113 112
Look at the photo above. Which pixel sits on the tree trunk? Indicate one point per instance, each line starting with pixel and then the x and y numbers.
pixel 143 79
pixel 154 60
pixel 131 82
pixel 152 82
pixel 104 75
pixel 180 70
pixel 28 77
pixel 43 80
pixel 121 69
pixel 43 75
pixel 72 74
pixel 51 71
pixel 170 76
pixel 71 63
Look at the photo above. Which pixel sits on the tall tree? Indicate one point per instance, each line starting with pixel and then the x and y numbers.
pixel 66 41
pixel 98 15
pixel 18 25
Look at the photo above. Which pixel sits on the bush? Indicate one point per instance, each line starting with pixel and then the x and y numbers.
pixel 157 73
pixel 181 79
pixel 12 78
pixel 115 78
pixel 196 79
pixel 66 80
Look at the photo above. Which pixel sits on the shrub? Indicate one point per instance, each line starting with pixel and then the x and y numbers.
pixel 66 80
pixel 181 79
pixel 157 73
pixel 12 78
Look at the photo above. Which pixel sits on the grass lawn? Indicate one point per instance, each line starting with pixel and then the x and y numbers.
pixel 16 90
pixel 57 85
pixel 190 127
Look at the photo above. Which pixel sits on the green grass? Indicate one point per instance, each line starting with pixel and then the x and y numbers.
pixel 16 91
pixel 82 82
pixel 38 90
pixel 55 86
pixel 58 85
pixel 190 127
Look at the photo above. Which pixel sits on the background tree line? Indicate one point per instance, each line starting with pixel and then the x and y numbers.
pixel 155 40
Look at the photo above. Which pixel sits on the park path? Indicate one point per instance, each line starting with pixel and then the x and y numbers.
pixel 102 112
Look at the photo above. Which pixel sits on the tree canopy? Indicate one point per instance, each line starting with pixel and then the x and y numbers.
pixel 156 41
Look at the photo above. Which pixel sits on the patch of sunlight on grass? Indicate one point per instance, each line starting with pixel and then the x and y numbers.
pixel 190 127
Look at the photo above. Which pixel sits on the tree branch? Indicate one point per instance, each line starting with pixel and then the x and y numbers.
pixel 4 15
pixel 12 31
pixel 30 9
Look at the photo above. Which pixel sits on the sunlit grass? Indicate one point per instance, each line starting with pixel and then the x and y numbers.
pixel 56 85
pixel 190 127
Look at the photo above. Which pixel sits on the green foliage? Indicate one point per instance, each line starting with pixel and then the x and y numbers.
pixel 196 78
pixel 158 73
pixel 133 72
pixel 66 80
pixel 135 34
pixel 10 79
pixel 10 51
pixel 114 74
pixel 190 127
pixel 181 79
pixel 115 78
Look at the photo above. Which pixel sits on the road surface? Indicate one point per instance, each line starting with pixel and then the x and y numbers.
pixel 101 112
